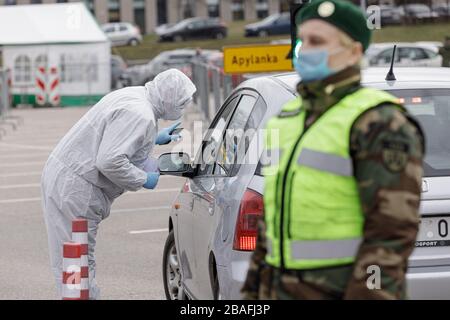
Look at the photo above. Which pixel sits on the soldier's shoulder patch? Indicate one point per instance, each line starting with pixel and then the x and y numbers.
pixel 395 155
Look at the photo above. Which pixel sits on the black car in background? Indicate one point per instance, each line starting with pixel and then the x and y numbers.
pixel 279 23
pixel 441 9
pixel 418 12
pixel 195 28
pixel 391 15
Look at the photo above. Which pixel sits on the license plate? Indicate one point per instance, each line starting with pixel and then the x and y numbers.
pixel 434 232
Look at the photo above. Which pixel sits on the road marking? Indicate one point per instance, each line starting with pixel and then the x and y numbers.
pixel 21 174
pixel 18 186
pixel 149 231
pixel 126 194
pixel 140 209
pixel 25 155
pixel 19 200
pixel 153 191
pixel 22 164
pixel 23 146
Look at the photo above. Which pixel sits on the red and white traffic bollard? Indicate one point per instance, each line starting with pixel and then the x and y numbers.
pixel 80 235
pixel 71 277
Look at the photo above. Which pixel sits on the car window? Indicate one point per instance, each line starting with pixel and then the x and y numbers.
pixel 284 19
pixel 213 138
pixel 197 24
pixel 431 108
pixel 123 27
pixel 109 29
pixel 412 54
pixel 386 55
pixel 418 54
pixel 238 134
pixel 431 54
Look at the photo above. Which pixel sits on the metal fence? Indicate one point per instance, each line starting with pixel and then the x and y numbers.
pixel 6 119
pixel 213 87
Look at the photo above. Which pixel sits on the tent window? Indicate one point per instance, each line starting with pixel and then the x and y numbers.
pixel 93 68
pixel 41 62
pixel 62 67
pixel 22 69
pixel 82 68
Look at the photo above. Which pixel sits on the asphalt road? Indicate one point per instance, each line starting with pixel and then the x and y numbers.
pixel 129 244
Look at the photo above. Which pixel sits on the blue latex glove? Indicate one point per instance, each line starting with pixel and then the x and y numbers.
pixel 152 180
pixel 165 136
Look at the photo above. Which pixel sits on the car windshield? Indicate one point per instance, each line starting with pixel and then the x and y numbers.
pixel 431 108
pixel 270 19
pixel 180 25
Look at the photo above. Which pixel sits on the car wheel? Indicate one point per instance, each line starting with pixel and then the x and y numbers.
pixel 133 42
pixel 220 36
pixel 178 39
pixel 216 288
pixel 263 33
pixel 172 271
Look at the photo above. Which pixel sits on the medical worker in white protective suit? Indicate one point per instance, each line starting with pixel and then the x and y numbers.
pixel 104 155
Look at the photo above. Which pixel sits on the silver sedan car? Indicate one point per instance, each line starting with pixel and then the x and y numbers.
pixel 213 221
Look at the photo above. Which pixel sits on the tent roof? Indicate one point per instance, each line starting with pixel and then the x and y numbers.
pixel 48 23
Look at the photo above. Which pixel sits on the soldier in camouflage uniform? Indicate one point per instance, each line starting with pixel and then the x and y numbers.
pixel 386 148
pixel 445 52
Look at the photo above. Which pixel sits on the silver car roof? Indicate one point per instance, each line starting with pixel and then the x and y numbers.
pixel 407 78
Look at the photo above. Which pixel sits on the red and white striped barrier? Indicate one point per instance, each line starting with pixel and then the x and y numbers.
pixel 41 86
pixel 53 87
pixel 71 277
pixel 80 235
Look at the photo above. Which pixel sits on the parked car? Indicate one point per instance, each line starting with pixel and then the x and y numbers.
pixel 179 58
pixel 419 54
pixel 418 12
pixel 195 28
pixel 391 15
pixel 118 67
pixel 122 34
pixel 441 9
pixel 212 226
pixel 279 23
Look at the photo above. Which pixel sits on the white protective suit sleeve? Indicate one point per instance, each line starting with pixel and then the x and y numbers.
pixel 125 135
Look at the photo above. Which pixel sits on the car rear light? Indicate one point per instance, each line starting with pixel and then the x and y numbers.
pixel 416 100
pixel 252 207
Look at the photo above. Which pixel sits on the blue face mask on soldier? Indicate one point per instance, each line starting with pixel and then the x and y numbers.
pixel 312 65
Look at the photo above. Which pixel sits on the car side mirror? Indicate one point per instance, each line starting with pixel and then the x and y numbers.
pixel 176 164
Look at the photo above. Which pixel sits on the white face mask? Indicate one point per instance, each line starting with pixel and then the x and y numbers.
pixel 177 112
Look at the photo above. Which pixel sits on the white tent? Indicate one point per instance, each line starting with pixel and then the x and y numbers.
pixel 56 53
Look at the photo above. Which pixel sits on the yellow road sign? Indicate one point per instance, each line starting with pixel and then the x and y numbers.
pixel 259 58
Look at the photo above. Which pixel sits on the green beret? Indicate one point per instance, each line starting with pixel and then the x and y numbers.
pixel 342 14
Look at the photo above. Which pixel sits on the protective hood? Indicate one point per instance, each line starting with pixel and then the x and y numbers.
pixel 168 94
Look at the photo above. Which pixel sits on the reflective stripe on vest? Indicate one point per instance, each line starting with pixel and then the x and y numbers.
pixel 326 162
pixel 325 249
pixel 321 249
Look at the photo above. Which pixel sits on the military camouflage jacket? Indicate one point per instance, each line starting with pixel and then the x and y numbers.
pixel 387 148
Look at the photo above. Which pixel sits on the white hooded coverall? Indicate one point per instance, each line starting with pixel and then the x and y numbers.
pixel 102 156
